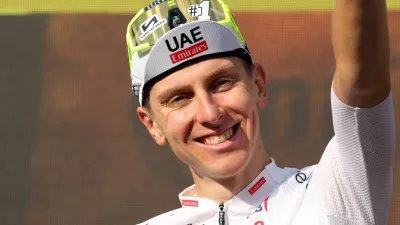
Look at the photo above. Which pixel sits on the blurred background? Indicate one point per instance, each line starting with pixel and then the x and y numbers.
pixel 72 150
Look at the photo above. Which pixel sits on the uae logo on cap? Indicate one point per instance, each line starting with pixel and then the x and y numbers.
pixel 194 39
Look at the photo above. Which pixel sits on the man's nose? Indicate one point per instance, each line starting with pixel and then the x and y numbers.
pixel 208 113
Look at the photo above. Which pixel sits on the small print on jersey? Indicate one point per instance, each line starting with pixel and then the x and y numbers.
pixel 200 10
pixel 150 25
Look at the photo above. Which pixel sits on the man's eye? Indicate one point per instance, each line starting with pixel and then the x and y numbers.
pixel 223 85
pixel 222 82
pixel 180 99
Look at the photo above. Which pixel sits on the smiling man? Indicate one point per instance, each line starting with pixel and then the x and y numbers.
pixel 200 92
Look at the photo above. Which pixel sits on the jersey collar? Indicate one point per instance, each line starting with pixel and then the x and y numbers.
pixel 245 201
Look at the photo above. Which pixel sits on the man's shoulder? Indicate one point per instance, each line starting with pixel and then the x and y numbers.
pixel 162 218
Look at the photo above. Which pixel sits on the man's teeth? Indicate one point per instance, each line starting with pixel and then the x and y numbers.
pixel 218 139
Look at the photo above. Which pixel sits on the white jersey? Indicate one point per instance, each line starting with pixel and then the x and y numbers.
pixel 351 184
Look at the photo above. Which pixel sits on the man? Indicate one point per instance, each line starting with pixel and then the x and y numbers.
pixel 200 92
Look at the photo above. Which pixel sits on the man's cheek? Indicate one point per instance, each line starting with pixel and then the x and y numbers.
pixel 242 101
pixel 176 125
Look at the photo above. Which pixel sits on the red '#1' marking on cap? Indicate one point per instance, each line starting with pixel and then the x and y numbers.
pixel 189 52
pixel 190 203
pixel 257 186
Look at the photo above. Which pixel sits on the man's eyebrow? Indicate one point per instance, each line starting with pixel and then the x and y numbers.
pixel 221 71
pixel 167 93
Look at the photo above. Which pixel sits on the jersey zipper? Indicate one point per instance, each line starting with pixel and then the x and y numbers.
pixel 221 219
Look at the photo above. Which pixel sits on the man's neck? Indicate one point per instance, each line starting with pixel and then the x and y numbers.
pixel 224 190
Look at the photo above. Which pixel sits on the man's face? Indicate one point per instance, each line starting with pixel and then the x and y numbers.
pixel 208 113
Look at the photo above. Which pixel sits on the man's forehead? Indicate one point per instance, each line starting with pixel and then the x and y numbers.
pixel 199 72
pixel 207 68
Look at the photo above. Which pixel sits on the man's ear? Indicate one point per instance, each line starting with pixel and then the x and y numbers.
pixel 261 83
pixel 152 127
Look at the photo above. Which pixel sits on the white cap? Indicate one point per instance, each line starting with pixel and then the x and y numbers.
pixel 181 46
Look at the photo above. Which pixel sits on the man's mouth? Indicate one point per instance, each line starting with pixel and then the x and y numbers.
pixel 217 139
